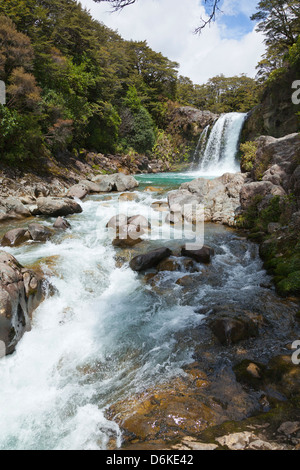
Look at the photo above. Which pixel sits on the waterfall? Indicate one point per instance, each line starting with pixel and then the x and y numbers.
pixel 200 145
pixel 220 153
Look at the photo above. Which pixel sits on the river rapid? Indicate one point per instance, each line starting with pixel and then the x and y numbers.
pixel 106 334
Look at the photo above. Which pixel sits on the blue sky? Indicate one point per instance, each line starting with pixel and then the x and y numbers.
pixel 230 45
pixel 234 17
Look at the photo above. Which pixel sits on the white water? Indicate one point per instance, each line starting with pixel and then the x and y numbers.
pixel 220 152
pixel 101 337
pixel 201 144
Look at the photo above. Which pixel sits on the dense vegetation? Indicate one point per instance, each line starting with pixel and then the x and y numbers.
pixel 73 83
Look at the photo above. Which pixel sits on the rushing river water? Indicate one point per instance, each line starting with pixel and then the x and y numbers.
pixel 105 334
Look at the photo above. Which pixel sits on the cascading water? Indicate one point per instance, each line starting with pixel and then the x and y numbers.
pixel 200 145
pixel 220 152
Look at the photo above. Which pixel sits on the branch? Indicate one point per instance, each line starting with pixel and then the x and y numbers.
pixel 210 19
pixel 118 5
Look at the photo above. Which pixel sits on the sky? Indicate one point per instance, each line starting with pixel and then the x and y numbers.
pixel 229 46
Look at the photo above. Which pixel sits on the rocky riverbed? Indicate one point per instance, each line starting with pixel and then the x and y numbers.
pixel 179 349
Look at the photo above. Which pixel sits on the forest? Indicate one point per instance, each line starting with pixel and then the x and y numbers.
pixel 72 83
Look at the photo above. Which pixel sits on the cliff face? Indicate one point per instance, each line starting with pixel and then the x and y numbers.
pixel 276 115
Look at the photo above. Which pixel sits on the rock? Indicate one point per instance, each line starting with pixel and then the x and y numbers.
pixel 174 218
pixel 201 256
pixel 21 291
pixel 91 186
pixel 186 281
pixel 230 327
pixel 79 191
pixel 140 222
pixel 289 428
pixel 149 260
pixel 12 208
pixel 128 236
pixel 246 441
pixel 255 189
pixel 160 206
pixel 129 197
pixel 39 233
pixel 169 264
pixel 209 200
pixel 117 221
pixel 237 441
pixel 15 237
pixel 116 182
pixel 61 224
pixel 56 206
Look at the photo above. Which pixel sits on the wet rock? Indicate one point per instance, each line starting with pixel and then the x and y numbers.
pixel 79 191
pixel 21 291
pixel 12 208
pixel 117 221
pixel 15 237
pixel 55 206
pixel 39 233
pixel 230 327
pixel 128 236
pixel 187 281
pixel 203 255
pixel 61 224
pixel 140 222
pixel 160 206
pixel 149 260
pixel 169 264
pixel 129 197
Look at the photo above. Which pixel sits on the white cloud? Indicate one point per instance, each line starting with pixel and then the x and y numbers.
pixel 234 7
pixel 168 27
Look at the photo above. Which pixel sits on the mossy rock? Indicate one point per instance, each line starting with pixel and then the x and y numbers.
pixel 290 285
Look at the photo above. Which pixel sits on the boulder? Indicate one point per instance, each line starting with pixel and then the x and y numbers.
pixel 116 182
pixel 12 208
pixel 150 259
pixel 139 221
pixel 255 189
pixel 39 233
pixel 117 221
pixel 15 237
pixel 231 325
pixel 128 236
pixel 203 255
pixel 169 264
pixel 61 224
pixel 203 200
pixel 79 191
pixel 56 206
pixel 21 291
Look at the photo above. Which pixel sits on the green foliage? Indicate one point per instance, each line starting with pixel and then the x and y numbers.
pixel 220 94
pixel 248 150
pixel 279 21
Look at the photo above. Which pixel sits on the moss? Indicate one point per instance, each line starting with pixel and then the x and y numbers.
pixel 290 285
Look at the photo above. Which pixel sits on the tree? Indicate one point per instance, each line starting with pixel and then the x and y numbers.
pixel 279 21
pixel 213 6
